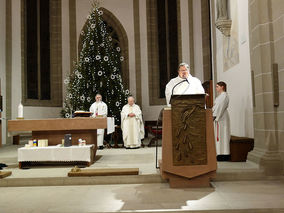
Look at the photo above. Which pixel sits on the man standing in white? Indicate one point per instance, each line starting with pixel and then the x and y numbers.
pixel 99 109
pixel 132 124
pixel 183 84
pixel 222 122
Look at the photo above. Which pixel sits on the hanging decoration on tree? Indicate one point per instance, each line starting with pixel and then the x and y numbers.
pixel 98 70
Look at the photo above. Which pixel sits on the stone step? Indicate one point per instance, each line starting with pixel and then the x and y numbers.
pixel 253 175
pixel 67 181
pixel 268 210
pixel 239 174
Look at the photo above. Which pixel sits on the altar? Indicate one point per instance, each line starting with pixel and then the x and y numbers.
pixel 76 154
pixel 54 129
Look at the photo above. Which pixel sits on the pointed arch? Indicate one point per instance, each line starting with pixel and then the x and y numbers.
pixel 119 38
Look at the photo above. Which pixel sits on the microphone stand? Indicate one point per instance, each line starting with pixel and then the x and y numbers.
pixel 185 80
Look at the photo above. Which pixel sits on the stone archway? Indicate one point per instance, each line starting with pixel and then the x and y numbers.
pixel 120 39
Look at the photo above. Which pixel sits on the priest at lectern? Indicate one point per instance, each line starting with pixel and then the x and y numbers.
pixel 183 84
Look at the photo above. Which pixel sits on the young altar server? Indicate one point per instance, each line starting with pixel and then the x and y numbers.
pixel 222 122
pixel 184 83
pixel 132 124
pixel 99 109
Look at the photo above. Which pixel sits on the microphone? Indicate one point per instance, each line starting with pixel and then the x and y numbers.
pixel 185 80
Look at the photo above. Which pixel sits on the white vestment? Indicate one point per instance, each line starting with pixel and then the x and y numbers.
pixel 132 127
pixel 191 86
pixel 222 124
pixel 99 108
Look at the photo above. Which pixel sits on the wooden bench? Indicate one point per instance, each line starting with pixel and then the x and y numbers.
pixel 239 148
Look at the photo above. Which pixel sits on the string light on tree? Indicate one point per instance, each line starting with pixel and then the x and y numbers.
pixel 66 81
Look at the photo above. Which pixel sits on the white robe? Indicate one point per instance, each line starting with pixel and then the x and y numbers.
pixel 222 124
pixel 191 86
pixel 132 127
pixel 99 108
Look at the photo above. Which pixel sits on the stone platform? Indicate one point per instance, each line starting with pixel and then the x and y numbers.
pixel 223 197
pixel 143 158
pixel 239 187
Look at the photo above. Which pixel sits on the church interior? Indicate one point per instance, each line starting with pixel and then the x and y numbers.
pixel 140 152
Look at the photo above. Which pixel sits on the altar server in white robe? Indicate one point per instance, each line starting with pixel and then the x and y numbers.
pixel 132 124
pixel 222 122
pixel 184 83
pixel 99 109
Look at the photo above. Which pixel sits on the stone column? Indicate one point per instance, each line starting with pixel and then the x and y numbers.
pixel 266 49
pixel 8 64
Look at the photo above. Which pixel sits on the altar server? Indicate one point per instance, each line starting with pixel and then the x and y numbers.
pixel 99 109
pixel 132 124
pixel 184 83
pixel 222 122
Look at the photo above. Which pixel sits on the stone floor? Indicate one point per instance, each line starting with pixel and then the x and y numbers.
pixel 104 194
pixel 257 196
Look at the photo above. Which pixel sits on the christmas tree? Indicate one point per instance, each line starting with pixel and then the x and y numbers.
pixel 98 70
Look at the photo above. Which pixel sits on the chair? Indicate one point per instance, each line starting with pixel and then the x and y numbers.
pixel 159 125
pixel 156 130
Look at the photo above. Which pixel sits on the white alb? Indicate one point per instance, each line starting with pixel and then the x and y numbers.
pixel 132 127
pixel 99 108
pixel 222 124
pixel 191 85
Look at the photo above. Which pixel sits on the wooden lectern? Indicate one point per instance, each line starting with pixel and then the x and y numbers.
pixel 188 147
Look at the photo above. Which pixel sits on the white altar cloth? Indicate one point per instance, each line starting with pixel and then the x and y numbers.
pixel 110 125
pixel 55 153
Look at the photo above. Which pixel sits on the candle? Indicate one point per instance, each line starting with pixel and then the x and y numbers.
pixel 20 111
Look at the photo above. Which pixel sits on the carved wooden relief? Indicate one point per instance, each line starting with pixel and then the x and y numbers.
pixel 189 130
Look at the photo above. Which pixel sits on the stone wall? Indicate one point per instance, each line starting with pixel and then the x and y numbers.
pixel 237 76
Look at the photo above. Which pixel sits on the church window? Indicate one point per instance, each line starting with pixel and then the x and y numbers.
pixel 41 37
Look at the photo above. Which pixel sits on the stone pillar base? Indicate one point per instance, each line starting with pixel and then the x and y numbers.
pixel 270 162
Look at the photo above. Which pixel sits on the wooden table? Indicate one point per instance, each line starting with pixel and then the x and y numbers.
pixel 55 129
